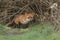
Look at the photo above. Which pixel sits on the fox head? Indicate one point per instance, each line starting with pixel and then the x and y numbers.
pixel 29 16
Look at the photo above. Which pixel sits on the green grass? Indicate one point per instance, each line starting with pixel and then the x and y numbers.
pixel 37 32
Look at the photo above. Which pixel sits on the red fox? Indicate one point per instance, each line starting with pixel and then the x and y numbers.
pixel 23 19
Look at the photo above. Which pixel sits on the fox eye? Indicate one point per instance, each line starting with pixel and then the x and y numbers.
pixel 29 17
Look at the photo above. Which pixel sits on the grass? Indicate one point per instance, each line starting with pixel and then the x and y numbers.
pixel 37 32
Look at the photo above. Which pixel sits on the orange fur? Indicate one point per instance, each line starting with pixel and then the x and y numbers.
pixel 23 19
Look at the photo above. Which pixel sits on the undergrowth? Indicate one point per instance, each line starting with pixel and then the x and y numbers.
pixel 37 32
